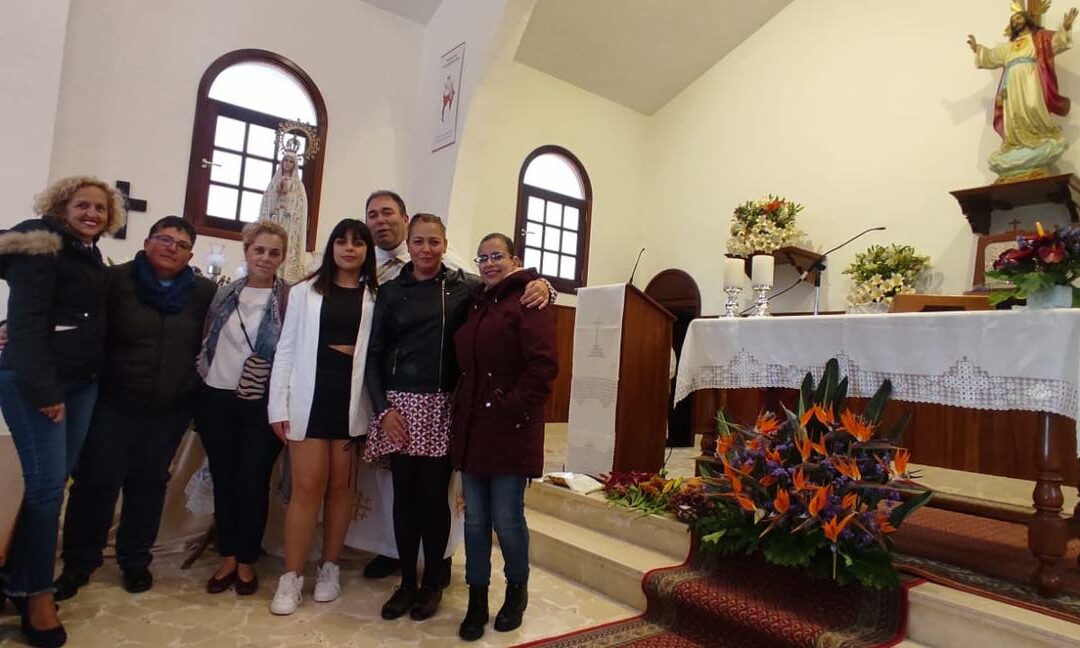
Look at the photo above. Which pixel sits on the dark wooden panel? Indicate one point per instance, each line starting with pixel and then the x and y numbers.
pixel 991 443
pixel 557 409
pixel 641 410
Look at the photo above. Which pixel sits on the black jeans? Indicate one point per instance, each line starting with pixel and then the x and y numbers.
pixel 421 512
pixel 242 449
pixel 123 451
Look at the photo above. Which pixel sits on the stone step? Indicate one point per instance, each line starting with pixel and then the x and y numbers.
pixel 660 534
pixel 605 563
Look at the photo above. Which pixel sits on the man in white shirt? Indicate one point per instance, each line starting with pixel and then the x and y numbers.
pixel 388 221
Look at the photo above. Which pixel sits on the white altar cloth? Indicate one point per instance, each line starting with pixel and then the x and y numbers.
pixel 989 360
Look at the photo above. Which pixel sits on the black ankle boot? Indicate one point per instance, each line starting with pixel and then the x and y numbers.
pixel 517 599
pixel 476 617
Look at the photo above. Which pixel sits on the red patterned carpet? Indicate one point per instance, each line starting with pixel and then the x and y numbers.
pixel 938 545
pixel 746 603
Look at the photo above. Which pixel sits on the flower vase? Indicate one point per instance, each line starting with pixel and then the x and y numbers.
pixel 1052 297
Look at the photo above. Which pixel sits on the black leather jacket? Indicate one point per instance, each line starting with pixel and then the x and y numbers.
pixel 412 333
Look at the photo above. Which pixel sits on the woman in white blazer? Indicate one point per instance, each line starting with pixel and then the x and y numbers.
pixel 318 405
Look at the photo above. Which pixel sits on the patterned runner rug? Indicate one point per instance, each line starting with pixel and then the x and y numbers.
pixel 746 603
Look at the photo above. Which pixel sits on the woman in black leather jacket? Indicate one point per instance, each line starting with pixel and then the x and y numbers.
pixel 411 372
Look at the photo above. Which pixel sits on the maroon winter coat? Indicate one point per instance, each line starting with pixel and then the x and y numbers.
pixel 507 357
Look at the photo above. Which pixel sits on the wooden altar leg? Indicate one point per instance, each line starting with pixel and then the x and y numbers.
pixel 1047 531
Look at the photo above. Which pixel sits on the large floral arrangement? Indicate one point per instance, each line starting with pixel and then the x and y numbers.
pixel 1038 262
pixel 811 489
pixel 882 272
pixel 762 226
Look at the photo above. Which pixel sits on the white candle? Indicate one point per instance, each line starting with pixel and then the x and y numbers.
pixel 734 273
pixel 761 270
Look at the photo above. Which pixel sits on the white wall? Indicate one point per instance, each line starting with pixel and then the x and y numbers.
pixel 519 109
pixel 132 68
pixel 869 113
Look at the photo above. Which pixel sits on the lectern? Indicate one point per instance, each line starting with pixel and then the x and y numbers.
pixel 619 382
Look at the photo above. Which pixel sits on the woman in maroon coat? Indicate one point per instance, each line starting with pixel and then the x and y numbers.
pixel 507 356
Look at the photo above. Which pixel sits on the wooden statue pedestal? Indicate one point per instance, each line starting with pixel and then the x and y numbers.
pixel 980 202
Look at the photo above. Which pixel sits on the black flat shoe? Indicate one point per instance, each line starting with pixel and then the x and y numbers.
pixel 426 604
pixel 49 638
pixel 246 588
pixel 68 584
pixel 401 602
pixel 137 579
pixel 219 585
pixel 381 567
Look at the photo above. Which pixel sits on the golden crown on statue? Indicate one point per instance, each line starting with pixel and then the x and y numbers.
pixel 1035 8
pixel 292 146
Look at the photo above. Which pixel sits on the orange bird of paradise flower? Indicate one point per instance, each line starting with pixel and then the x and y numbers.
pixel 724 444
pixel 799 480
pixel 883 523
pixel 767 423
pixel 824 416
pixel 745 502
pixel 849 501
pixel 855 426
pixel 782 502
pixel 900 461
pixel 847 467
pixel 819 501
pixel 833 529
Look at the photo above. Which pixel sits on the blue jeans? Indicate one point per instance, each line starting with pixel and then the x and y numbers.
pixel 48 452
pixel 495 502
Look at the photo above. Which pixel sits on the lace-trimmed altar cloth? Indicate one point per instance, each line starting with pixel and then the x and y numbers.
pixel 988 360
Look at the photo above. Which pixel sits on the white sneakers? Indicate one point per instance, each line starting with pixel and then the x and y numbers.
pixel 288 595
pixel 290 587
pixel 327 583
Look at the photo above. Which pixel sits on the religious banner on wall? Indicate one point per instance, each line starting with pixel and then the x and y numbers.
pixel 594 384
pixel 445 111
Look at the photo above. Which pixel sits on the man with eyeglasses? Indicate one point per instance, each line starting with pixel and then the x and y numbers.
pixel 388 221
pixel 155 312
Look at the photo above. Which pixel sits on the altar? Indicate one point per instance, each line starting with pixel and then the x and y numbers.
pixel 992 361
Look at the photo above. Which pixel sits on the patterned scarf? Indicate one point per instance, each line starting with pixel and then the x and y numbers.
pixel 225 304
pixel 170 299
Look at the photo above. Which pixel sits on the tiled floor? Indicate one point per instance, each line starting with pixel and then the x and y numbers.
pixel 178 612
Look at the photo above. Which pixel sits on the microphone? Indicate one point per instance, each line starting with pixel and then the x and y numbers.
pixel 819 264
pixel 632 272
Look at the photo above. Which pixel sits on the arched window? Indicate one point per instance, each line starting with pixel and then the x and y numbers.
pixel 250 103
pixel 553 217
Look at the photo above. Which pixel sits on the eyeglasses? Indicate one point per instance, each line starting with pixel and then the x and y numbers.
pixel 494 257
pixel 169 241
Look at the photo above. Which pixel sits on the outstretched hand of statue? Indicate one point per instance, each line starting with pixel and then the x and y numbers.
pixel 1070 16
pixel 972 43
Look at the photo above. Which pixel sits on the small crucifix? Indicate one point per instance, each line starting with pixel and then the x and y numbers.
pixel 130 204
pixel 1015 223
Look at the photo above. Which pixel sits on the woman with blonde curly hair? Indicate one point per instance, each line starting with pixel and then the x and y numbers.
pixel 48 369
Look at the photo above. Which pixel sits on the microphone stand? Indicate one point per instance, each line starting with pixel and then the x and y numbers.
pixel 817 268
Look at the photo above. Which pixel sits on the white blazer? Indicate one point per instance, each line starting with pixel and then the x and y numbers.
pixel 292 380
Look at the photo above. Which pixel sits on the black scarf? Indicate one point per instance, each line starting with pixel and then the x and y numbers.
pixel 170 299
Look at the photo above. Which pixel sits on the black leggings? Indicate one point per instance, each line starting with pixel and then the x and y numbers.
pixel 421 512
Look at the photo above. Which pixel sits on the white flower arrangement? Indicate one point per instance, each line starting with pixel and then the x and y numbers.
pixel 880 273
pixel 763 226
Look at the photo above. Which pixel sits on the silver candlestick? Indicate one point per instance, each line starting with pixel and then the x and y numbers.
pixel 761 300
pixel 731 306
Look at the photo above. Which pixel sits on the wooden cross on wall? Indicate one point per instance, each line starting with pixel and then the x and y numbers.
pixel 130 204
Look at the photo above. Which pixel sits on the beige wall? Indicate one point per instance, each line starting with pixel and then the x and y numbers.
pixel 131 70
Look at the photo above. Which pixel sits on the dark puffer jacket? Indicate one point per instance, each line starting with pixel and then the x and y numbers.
pixel 150 363
pixel 56 309
pixel 412 334
pixel 508 359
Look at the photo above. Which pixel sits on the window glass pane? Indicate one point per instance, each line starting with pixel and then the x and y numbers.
pixel 532 258
pixel 226 169
pixel 257 174
pixel 221 202
pixel 551 238
pixel 554 214
pixel 265 88
pixel 551 264
pixel 229 133
pixel 533 233
pixel 554 172
pixel 536 209
pixel 261 141
pixel 569 242
pixel 566 267
pixel 570 218
pixel 249 206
